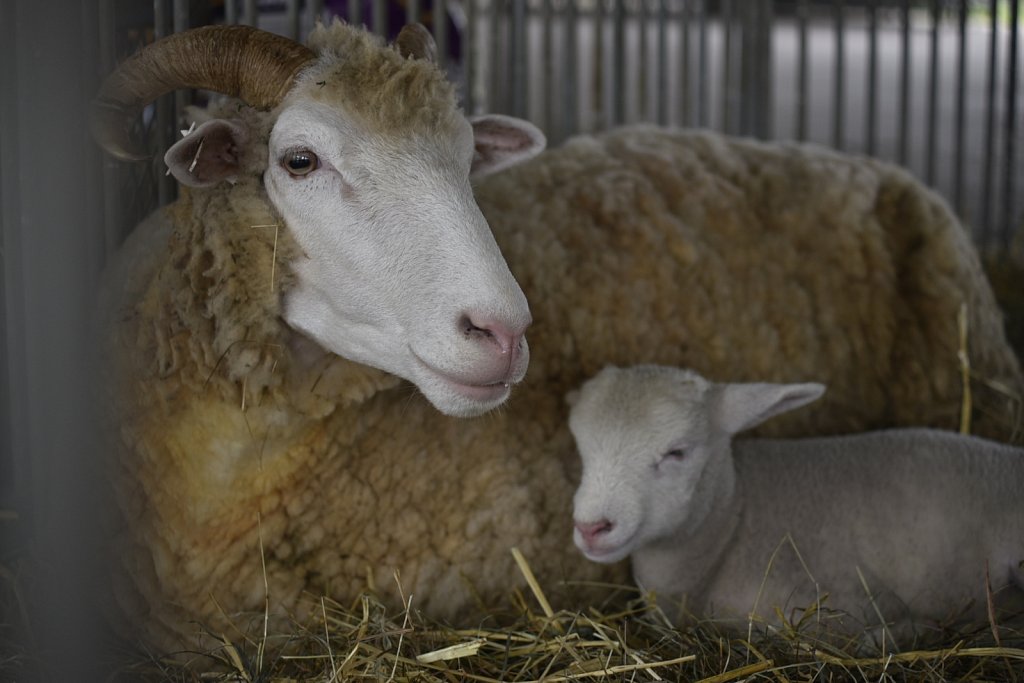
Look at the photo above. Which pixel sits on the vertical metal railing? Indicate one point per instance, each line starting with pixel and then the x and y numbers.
pixel 871 98
pixel 839 77
pixel 904 134
pixel 933 93
pixel 1009 219
pixel 960 126
pixel 803 70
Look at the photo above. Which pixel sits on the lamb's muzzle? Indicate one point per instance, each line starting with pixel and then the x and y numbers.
pixel 589 534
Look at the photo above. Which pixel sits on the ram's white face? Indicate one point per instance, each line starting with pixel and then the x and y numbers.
pixel 399 269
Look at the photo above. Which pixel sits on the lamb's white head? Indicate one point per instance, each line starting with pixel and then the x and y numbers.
pixel 369 165
pixel 652 440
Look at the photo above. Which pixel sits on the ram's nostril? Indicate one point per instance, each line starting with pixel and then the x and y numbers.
pixel 470 329
pixel 504 337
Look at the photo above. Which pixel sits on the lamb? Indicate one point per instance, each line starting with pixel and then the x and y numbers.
pixel 909 525
pixel 273 427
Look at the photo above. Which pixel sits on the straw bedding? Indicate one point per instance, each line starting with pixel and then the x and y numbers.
pixel 627 638
pixel 624 638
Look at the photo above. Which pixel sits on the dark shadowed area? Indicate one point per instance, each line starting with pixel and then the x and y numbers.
pixel 51 255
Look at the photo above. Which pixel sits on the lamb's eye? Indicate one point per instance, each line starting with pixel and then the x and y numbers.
pixel 300 163
pixel 674 454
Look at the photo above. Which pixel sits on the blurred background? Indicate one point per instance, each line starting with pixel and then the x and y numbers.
pixel 933 85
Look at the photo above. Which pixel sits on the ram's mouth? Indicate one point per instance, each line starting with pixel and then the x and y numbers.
pixel 461 396
pixel 494 388
pixel 482 393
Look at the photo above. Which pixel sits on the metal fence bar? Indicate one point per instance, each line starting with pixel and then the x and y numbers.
pixel 662 66
pixel 839 82
pixel 250 13
pixel 412 12
pixel 230 12
pixel 354 9
pixel 316 11
pixel 618 71
pixel 755 78
pixel 703 107
pixel 495 100
pixel 570 80
pixel 599 119
pixel 643 110
pixel 933 93
pixel 292 18
pixel 988 186
pixel 803 71
pixel 517 55
pixel 440 17
pixel 725 17
pixel 686 66
pixel 166 189
pixel 904 133
pixel 872 80
pixel 766 77
pixel 961 109
pixel 470 59
pixel 112 205
pixel 379 17
pixel 1010 132
pixel 182 96
pixel 547 60
pixel 751 96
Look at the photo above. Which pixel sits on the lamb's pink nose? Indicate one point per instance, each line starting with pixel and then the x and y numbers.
pixel 591 530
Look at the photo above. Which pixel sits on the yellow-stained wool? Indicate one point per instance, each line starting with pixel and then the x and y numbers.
pixel 745 261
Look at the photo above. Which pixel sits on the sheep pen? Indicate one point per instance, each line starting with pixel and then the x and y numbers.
pixel 251 469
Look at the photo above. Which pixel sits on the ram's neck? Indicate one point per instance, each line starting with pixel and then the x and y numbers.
pixel 218 298
pixel 207 392
pixel 202 370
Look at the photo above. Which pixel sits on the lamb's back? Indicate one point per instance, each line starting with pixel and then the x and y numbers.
pixel 911 515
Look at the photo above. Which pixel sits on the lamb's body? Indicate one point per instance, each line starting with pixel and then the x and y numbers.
pixel 901 525
pixel 921 514
pixel 741 259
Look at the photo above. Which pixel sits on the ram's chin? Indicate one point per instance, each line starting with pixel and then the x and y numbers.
pixel 462 400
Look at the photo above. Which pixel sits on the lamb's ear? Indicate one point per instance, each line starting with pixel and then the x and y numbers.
pixel 209 154
pixel 736 407
pixel 503 141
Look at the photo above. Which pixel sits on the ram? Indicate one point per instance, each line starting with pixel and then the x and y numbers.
pixel 263 333
pixel 901 527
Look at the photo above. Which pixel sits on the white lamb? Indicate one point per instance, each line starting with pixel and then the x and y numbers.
pixel 905 525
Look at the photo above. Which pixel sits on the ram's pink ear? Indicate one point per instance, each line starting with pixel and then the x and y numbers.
pixel 209 154
pixel 503 141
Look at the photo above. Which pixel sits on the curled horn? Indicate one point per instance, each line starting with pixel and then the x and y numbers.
pixel 240 61
pixel 415 42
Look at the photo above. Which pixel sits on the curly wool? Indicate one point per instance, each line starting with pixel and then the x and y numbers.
pixel 755 262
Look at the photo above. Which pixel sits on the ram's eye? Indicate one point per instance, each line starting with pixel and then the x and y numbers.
pixel 674 454
pixel 300 163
